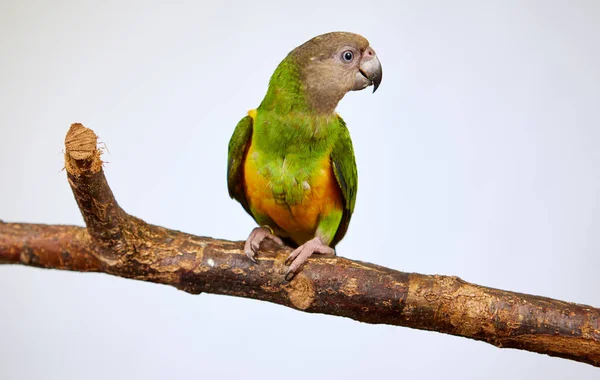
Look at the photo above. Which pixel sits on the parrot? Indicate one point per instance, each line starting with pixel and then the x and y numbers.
pixel 291 162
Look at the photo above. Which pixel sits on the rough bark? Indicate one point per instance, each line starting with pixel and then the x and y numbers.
pixel 117 243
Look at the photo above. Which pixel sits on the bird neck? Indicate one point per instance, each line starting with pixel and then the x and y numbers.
pixel 288 94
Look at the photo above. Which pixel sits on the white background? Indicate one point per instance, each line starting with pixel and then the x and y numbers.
pixel 478 157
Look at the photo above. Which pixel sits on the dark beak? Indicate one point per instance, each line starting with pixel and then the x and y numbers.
pixel 369 72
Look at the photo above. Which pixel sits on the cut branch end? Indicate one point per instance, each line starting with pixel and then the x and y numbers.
pixel 81 151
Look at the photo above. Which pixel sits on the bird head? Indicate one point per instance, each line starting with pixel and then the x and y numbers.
pixel 331 65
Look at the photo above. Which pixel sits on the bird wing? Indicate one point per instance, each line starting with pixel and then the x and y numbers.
pixel 346 174
pixel 238 147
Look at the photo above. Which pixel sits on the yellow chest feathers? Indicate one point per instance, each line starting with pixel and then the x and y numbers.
pixel 292 199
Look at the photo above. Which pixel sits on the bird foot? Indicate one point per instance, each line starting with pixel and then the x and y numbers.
pixel 302 253
pixel 255 238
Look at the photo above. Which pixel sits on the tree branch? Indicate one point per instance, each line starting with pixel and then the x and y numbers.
pixel 120 244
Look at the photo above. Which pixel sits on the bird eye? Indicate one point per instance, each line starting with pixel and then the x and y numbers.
pixel 347 56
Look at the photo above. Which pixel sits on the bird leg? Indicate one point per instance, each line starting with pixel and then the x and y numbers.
pixel 256 237
pixel 300 254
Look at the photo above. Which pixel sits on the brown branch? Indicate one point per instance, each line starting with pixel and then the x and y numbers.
pixel 117 243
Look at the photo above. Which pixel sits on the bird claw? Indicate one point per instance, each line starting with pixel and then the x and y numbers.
pixel 250 254
pixel 303 252
pixel 255 238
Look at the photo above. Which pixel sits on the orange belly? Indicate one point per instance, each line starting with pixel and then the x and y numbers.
pixel 299 221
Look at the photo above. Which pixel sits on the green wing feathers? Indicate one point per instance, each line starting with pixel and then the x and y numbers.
pixel 346 174
pixel 238 146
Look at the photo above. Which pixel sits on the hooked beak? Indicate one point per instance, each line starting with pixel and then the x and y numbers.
pixel 369 72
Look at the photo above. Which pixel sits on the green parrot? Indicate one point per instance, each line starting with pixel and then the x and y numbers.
pixel 291 163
